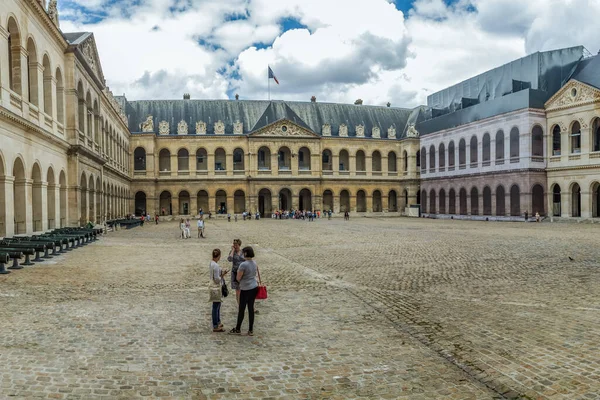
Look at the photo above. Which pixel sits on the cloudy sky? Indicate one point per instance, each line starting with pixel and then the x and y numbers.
pixel 338 50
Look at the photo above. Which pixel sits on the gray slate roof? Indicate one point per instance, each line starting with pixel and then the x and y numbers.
pixel 76 38
pixel 588 71
pixel 256 114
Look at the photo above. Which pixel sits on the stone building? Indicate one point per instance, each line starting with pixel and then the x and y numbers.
pixel 522 137
pixel 230 156
pixel 64 142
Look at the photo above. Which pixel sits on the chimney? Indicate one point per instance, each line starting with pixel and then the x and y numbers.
pixel 186 96
pixel 389 104
pixel 237 96
pixel 313 99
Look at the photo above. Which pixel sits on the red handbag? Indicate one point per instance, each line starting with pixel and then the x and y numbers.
pixel 262 290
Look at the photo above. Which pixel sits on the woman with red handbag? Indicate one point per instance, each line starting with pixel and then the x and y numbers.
pixel 246 276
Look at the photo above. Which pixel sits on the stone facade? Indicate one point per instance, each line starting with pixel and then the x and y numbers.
pixel 64 158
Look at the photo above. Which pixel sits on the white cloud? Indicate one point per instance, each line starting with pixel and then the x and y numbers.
pixel 366 49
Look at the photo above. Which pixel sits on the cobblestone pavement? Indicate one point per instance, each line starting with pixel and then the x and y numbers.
pixel 371 308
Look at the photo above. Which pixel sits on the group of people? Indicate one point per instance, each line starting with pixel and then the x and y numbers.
pixel 244 273
pixel 185 226
pixel 299 214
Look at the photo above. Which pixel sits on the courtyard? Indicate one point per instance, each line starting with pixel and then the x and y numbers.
pixel 371 308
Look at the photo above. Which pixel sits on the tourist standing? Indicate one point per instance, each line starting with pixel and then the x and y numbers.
pixel 188 230
pixel 156 219
pixel 182 227
pixel 246 276
pixel 216 280
pixel 200 228
pixel 236 257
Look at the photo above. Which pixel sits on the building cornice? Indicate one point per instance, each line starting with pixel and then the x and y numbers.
pixel 480 174
pixel 31 127
pixel 574 168
pixel 53 29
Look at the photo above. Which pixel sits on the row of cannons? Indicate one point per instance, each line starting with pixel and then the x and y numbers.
pixel 43 247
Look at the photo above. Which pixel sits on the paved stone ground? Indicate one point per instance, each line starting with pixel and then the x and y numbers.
pixel 371 308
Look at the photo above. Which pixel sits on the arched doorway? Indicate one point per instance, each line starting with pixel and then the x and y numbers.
pixel 361 201
pixel 537 200
pixel 344 201
pixel 184 203
pixel 51 199
pixel 285 199
pixel 305 200
pixel 423 201
pixel 221 202
pixel 595 190
pixel 515 201
pixel 487 201
pixel 474 201
pixel 165 203
pixel 377 206
pixel 575 200
pixel 265 203
pixel 500 201
pixel 556 201
pixel 83 206
pixel 462 201
pixel 36 198
pixel 442 207
pixel 239 202
pixel 432 202
pixel 452 202
pixel 140 203
pixel 392 201
pixel 327 200
pixel 202 201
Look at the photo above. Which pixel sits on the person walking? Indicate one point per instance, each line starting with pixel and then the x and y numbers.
pixel 216 280
pixel 200 228
pixel 246 276
pixel 182 227
pixel 156 219
pixel 236 257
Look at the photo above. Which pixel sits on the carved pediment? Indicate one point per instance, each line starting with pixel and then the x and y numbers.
pixel 182 128
pixel 573 94
pixel 90 54
pixel 284 128
pixel 200 128
pixel 163 128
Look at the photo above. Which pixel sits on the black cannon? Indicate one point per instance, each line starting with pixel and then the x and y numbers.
pixel 16 253
pixel 4 257
pixel 37 247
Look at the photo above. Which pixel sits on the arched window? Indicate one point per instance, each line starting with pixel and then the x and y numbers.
pixel 81 108
pixel 326 161
pixel 361 201
pixel 487 201
pixel 442 157
pixel 423 201
pixel 596 135
pixel 47 85
pixel 14 56
pixel 238 160
pixel 432 202
pixel 418 160
pixel 60 97
pixel 432 158
pixel 473 151
pixel 514 145
pixel 538 200
pixel 499 147
pixel 376 162
pixel 32 72
pixel 264 159
pixel 423 159
pixel 486 150
pixel 452 202
pixel 284 159
pixel 164 160
pixel 556 140
pixel 405 161
pixel 451 156
pixel 515 201
pixel 575 138
pixel 462 201
pixel 392 162
pixel 201 160
pixel 442 208
pixel 474 201
pixel 576 200
pixel 556 201
pixel 462 154
pixel 304 159
pixel 183 160
pixel 220 160
pixel 344 162
pixel 139 159
pixel 361 165
pixel 537 142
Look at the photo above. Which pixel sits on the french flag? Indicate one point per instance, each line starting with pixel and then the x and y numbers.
pixel 272 75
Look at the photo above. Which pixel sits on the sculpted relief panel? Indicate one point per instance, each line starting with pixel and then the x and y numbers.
pixel 219 128
pixel 182 128
pixel 326 130
pixel 200 128
pixel 343 132
pixel 163 128
pixel 391 133
pixel 148 124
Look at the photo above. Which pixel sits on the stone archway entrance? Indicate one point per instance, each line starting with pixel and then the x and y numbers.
pixel 140 203
pixel 285 199
pixel 327 200
pixel 265 203
pixel 344 201
pixel 305 200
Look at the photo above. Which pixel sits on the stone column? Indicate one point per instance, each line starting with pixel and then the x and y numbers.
pixel 212 204
pixel 294 163
pixel 318 202
pixel 92 205
pixel 385 202
pixel 274 164
pixel 352 161
pixel 335 160
pixel 4 76
pixel 384 165
pixel 352 203
pixel 230 201
pixel 7 205
pixel 507 204
pixel 229 166
pixel 586 198
pixel 369 164
pixel 42 188
pixel 295 201
pixel 174 165
pixel 275 202
pixel 336 203
pixel 494 203
pixel 369 201
pixel 468 203
pixel 193 204
pixel 23 81
pixel 565 203
pixel 174 206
